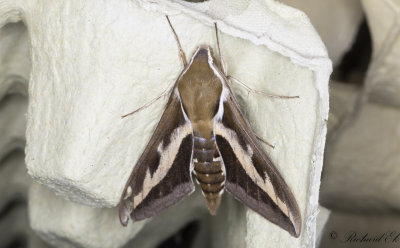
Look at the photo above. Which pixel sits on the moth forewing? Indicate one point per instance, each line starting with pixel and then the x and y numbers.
pixel 251 176
pixel 161 177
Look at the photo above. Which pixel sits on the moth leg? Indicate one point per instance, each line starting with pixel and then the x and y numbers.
pixel 166 92
pixel 265 142
pixel 232 79
pixel 181 52
pixel 224 66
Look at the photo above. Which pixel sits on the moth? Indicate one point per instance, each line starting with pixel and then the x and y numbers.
pixel 203 133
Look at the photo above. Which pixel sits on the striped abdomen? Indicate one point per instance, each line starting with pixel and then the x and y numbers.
pixel 208 171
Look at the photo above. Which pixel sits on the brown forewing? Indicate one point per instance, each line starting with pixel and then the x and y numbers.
pixel 158 182
pixel 249 171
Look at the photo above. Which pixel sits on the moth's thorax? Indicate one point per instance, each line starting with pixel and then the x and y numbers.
pixel 200 89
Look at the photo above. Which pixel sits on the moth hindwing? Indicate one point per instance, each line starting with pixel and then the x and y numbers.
pixel 203 133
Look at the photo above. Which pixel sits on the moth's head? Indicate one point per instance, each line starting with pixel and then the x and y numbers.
pixel 203 54
pixel 200 87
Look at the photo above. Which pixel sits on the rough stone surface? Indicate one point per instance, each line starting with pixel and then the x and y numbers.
pixel 364 157
pixel 342 104
pixel 336 21
pixel 360 177
pixel 363 152
pixel 383 82
pixel 14 183
pixel 322 219
pixel 12 123
pixel 15 64
pixel 94 61
pixel 66 224
pixel 14 180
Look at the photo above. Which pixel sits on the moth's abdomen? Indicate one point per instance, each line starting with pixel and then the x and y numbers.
pixel 208 171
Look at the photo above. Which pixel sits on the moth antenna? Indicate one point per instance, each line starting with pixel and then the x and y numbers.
pixel 166 92
pixel 181 52
pixel 223 65
pixel 230 79
pixel 265 142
